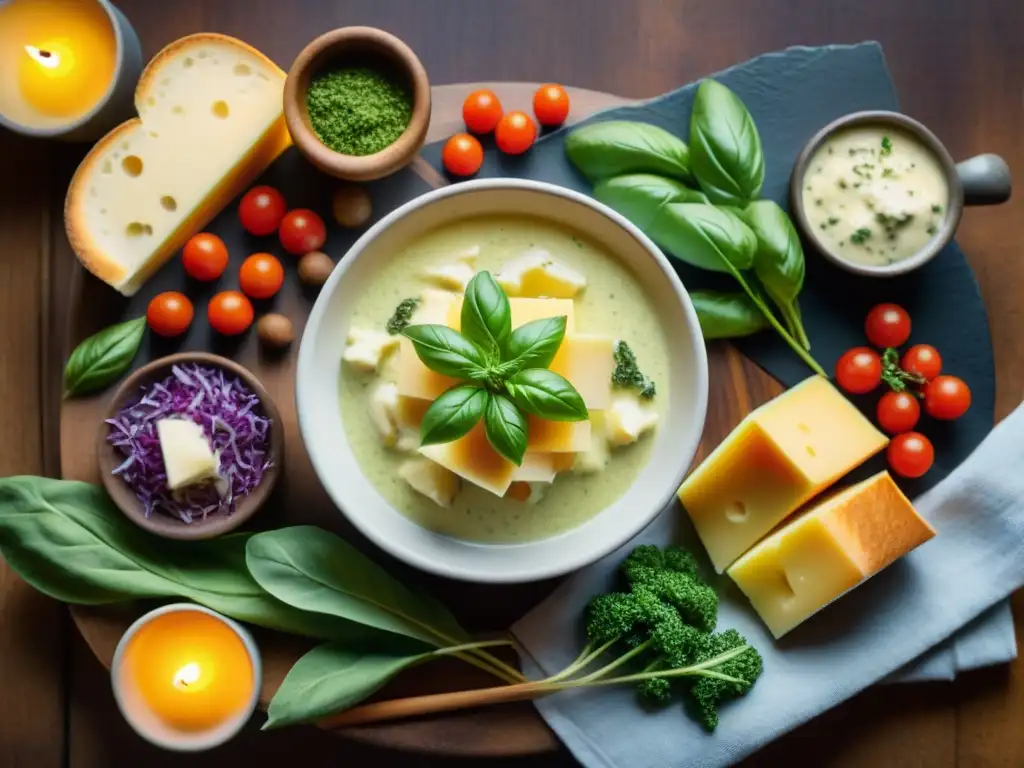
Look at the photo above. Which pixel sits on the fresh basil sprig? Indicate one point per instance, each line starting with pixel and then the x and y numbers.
pixel 726 154
pixel 103 357
pixel 727 315
pixel 505 372
pixel 614 147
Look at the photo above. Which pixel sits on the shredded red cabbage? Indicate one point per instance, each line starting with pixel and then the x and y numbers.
pixel 232 420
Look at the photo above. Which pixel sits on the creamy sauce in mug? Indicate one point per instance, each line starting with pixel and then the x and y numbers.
pixel 875 195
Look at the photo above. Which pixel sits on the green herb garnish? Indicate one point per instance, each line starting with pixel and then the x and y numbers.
pixel 402 315
pixel 103 357
pixel 886 146
pixel 842 183
pixel 931 230
pixel 832 220
pixel 627 372
pixel 888 172
pixel 357 111
pixel 936 209
pixel 860 236
pixel 504 372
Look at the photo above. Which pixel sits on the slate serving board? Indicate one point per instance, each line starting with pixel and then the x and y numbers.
pixel 791 95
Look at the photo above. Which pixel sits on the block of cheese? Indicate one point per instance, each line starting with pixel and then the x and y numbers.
pixel 627 419
pixel 472 458
pixel 542 467
pixel 430 479
pixel 210 121
pixel 365 348
pixel 779 456
pixel 556 436
pixel 827 550
pixel 535 273
pixel 414 378
pixel 588 362
pixel 188 458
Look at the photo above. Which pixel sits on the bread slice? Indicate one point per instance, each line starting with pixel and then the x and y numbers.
pixel 210 121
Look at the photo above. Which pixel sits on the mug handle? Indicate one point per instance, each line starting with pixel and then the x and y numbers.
pixel 985 180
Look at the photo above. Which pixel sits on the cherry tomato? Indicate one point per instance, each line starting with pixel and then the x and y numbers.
pixel 946 397
pixel 230 313
pixel 170 313
pixel 261 276
pixel 302 231
pixel 922 359
pixel 515 133
pixel 261 210
pixel 898 412
pixel 551 104
pixel 481 111
pixel 887 325
pixel 910 454
pixel 859 370
pixel 462 155
pixel 205 257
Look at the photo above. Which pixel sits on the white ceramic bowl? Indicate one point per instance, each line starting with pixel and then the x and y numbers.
pixel 323 341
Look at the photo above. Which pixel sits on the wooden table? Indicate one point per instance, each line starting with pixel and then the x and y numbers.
pixel 957 65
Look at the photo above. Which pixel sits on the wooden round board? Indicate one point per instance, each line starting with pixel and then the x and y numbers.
pixel 513 729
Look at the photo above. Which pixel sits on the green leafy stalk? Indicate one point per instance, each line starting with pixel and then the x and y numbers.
pixel 727 315
pixel 615 147
pixel 103 357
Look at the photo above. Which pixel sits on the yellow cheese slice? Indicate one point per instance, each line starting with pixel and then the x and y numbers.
pixel 829 549
pixel 524 311
pixel 535 273
pixel 472 458
pixel 779 456
pixel 557 436
pixel 588 362
pixel 210 121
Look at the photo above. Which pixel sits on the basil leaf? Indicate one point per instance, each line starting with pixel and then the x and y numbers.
pixel 640 196
pixel 486 314
pixel 779 261
pixel 103 357
pixel 726 154
pixel 445 350
pixel 315 571
pixel 706 237
pixel 453 414
pixel 547 395
pixel 614 147
pixel 330 678
pixel 506 428
pixel 534 344
pixel 727 315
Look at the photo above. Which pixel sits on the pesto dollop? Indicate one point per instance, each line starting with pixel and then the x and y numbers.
pixel 357 111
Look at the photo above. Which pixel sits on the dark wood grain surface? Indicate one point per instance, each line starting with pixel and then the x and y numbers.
pixel 958 67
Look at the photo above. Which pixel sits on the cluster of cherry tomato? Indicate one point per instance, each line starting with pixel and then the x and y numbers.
pixel 514 132
pixel 262 211
pixel 916 376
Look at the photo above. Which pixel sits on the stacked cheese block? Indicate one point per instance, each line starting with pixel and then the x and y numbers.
pixel 780 457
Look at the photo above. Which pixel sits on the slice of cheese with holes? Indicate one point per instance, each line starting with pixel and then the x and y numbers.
pixel 828 550
pixel 472 458
pixel 210 121
pixel 779 456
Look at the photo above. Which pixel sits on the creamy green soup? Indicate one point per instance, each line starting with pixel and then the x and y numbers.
pixel 612 305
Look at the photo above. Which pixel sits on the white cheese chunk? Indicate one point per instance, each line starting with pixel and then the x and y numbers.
pixel 626 420
pixel 188 458
pixel 454 277
pixel 430 479
pixel 384 411
pixel 366 348
pixel 536 274
pixel 594 458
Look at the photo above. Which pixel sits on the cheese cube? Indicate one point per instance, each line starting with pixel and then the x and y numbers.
pixel 588 362
pixel 210 121
pixel 188 458
pixel 542 467
pixel 626 420
pixel 454 276
pixel 536 274
pixel 556 436
pixel 779 456
pixel 829 549
pixel 384 411
pixel 472 458
pixel 366 348
pixel 430 479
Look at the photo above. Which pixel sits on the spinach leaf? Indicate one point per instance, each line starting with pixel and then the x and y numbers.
pixel 506 428
pixel 69 541
pixel 100 359
pixel 614 147
pixel 534 344
pixel 706 237
pixel 640 197
pixel 445 350
pixel 779 262
pixel 547 395
pixel 726 154
pixel 330 678
pixel 727 315
pixel 313 570
pixel 453 414
pixel 486 315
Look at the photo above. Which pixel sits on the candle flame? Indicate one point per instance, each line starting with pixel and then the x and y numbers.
pixel 187 675
pixel 44 58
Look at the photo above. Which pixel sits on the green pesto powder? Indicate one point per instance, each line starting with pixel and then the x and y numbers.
pixel 357 111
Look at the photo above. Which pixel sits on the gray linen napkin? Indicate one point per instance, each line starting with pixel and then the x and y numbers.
pixel 960 576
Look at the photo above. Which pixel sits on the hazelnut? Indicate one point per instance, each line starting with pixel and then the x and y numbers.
pixel 352 206
pixel 315 267
pixel 275 331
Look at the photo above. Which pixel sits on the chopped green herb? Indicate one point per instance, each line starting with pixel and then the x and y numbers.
pixel 888 172
pixel 931 230
pixel 808 187
pixel 886 146
pixel 860 236
pixel 403 313
pixel 936 209
pixel 856 184
pixel 357 111
pixel 819 201
pixel 830 150
pixel 842 183
pixel 910 192
pixel 842 243
pixel 833 220
pixel 627 373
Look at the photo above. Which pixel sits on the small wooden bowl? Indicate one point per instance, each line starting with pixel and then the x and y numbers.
pixel 162 524
pixel 361 46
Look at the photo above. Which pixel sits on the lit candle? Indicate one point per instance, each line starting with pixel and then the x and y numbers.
pixel 185 677
pixel 73 65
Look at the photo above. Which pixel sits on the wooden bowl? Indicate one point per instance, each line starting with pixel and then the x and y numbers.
pixel 361 46
pixel 162 524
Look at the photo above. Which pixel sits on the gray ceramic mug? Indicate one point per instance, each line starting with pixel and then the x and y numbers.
pixel 980 180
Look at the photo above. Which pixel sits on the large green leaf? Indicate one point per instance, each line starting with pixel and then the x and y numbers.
pixel 727 315
pixel 103 357
pixel 445 350
pixel 313 570
pixel 615 147
pixel 641 196
pixel 725 148
pixel 705 236
pixel 486 315
pixel 453 414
